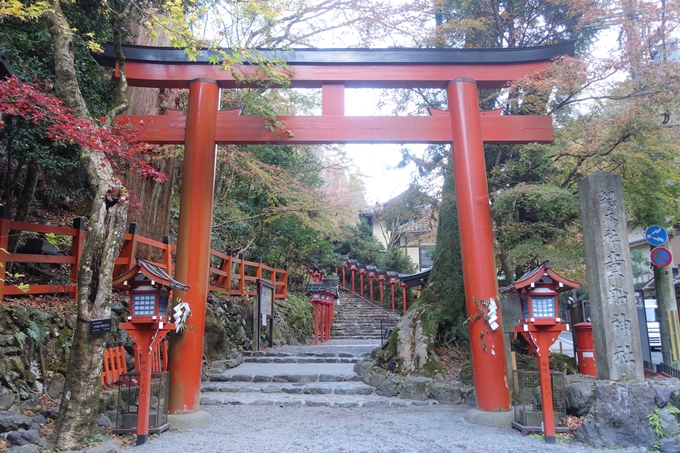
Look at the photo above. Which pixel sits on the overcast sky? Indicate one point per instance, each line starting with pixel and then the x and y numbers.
pixel 376 162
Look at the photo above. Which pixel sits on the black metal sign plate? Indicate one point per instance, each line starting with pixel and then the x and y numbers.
pixel 99 326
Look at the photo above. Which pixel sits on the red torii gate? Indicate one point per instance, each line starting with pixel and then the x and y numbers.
pixel 460 71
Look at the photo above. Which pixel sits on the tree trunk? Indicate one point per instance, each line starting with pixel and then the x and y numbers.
pixel 23 205
pixel 106 225
pixel 155 198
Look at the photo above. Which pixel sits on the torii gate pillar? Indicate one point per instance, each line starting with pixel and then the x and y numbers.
pixel 193 244
pixel 477 246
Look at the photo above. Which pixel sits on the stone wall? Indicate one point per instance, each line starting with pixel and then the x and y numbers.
pixel 31 339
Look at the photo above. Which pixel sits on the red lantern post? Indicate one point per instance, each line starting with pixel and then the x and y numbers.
pixel 344 269
pixel 394 279
pixel 540 324
pixel 362 272
pixel 148 324
pixel 381 279
pixel 353 266
pixel 371 273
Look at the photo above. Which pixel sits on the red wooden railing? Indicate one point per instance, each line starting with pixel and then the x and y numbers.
pixel 114 364
pixel 77 234
pixel 114 361
pixel 234 276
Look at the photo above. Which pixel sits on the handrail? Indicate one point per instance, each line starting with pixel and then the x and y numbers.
pixel 240 282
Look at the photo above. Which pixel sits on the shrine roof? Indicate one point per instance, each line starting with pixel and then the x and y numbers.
pixel 534 275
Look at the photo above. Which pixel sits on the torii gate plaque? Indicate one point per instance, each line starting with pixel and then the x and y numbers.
pixel 460 72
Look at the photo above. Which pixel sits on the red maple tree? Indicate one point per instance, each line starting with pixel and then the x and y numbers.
pixel 33 103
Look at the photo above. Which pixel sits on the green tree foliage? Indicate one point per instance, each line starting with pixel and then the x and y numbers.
pixel 527 219
pixel 268 204
pixel 40 167
pixel 357 242
pixel 445 290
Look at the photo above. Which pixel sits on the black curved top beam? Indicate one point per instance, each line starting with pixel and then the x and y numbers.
pixel 356 56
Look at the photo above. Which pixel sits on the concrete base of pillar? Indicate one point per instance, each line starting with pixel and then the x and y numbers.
pixel 497 419
pixel 184 422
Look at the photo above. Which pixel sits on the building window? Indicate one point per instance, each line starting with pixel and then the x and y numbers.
pixel 426 255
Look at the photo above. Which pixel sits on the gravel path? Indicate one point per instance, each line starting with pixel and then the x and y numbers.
pixel 295 429
pixel 427 429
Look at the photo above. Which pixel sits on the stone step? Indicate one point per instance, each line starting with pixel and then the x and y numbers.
pixel 301 377
pixel 312 400
pixel 304 354
pixel 301 359
pixel 291 388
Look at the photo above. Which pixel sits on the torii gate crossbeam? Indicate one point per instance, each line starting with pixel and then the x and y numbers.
pixel 460 72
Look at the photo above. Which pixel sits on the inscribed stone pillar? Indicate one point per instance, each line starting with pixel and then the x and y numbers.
pixel 613 314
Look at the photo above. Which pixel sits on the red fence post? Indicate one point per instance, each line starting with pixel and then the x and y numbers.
pixel 241 273
pixel 167 255
pixel 77 243
pixel 128 251
pixel 284 277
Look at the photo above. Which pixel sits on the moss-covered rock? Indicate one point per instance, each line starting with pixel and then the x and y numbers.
pixel 215 338
pixel 411 346
pixel 563 363
pixel 465 374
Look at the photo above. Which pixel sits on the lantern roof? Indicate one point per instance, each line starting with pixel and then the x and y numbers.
pixel 541 274
pixel 417 279
pixel 315 287
pixel 152 272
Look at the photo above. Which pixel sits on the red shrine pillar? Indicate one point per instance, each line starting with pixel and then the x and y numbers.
pixel 477 249
pixel 193 244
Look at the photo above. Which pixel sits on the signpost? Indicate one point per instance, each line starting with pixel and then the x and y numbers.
pixel 265 310
pixel 656 235
pixel 661 256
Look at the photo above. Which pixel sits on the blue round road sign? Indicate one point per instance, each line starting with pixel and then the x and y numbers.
pixel 661 256
pixel 656 235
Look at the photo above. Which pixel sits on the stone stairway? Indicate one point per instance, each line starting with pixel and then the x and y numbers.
pixel 358 318
pixel 320 375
